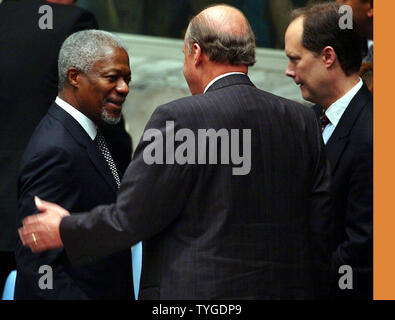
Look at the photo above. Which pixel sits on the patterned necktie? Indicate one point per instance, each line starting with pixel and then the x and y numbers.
pixel 324 121
pixel 101 143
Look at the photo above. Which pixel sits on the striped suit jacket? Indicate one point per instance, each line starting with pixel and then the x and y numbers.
pixel 211 232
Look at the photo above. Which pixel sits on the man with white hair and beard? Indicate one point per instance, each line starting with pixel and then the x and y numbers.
pixel 67 161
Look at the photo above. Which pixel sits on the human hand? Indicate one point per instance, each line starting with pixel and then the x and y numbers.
pixel 40 232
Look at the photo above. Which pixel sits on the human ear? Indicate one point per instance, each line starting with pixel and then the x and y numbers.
pixel 197 54
pixel 73 77
pixel 369 12
pixel 329 56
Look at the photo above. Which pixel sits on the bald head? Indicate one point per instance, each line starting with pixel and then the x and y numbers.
pixel 225 19
pixel 224 35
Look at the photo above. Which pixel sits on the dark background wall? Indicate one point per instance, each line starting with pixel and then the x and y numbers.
pixel 169 18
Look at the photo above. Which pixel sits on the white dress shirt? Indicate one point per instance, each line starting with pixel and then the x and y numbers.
pixel 336 110
pixel 86 123
pixel 220 77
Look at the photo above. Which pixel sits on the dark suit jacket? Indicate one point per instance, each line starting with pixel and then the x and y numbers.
pixel 62 164
pixel 210 234
pixel 28 86
pixel 350 152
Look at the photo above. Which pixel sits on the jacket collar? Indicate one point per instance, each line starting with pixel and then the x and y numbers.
pixel 82 138
pixel 339 139
pixel 350 115
pixel 231 80
pixel 71 125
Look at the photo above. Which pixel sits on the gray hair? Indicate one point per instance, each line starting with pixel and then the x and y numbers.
pixel 82 49
pixel 235 49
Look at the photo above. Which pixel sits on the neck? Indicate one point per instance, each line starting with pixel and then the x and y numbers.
pixel 214 70
pixel 339 87
pixel 69 98
pixel 67 94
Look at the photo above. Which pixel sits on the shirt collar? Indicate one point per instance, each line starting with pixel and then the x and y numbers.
pixel 336 109
pixel 87 124
pixel 220 77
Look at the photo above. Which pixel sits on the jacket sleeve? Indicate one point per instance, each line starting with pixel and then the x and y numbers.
pixel 48 175
pixel 151 196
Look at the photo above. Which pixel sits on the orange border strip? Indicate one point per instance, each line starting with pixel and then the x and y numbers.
pixel 384 156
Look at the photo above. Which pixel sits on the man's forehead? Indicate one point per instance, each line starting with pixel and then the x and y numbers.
pixel 111 53
pixel 296 25
pixel 116 60
pixel 293 34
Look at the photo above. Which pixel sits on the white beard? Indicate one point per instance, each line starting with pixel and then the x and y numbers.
pixel 109 119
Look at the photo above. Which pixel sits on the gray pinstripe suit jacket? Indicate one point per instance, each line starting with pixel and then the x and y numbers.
pixel 210 234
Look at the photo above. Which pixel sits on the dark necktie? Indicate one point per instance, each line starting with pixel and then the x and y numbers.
pixel 101 143
pixel 324 121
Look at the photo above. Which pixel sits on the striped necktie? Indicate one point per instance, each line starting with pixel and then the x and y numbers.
pixel 324 121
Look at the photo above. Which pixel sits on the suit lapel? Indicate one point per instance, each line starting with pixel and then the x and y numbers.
pixel 340 137
pixel 335 149
pixel 82 138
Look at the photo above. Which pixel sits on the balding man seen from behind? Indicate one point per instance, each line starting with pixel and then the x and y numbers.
pixel 228 188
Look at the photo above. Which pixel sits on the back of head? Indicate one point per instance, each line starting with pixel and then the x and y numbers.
pixel 224 35
pixel 82 49
pixel 321 28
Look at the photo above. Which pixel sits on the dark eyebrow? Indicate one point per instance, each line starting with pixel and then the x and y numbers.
pixel 291 56
pixel 115 72
pixel 112 70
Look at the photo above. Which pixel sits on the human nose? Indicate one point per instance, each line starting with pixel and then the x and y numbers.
pixel 122 87
pixel 289 71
